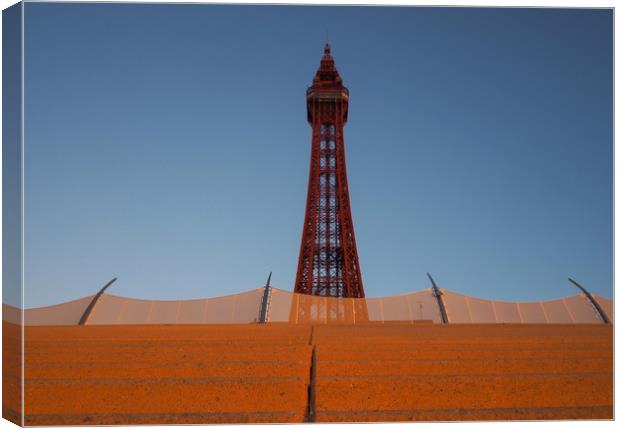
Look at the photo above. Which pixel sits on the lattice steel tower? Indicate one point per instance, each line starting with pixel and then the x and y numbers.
pixel 328 260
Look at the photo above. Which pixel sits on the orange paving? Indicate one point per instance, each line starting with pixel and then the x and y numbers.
pixel 160 374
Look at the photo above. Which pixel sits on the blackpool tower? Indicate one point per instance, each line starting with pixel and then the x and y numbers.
pixel 328 260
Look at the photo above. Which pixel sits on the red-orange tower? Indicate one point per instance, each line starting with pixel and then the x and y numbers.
pixel 328 260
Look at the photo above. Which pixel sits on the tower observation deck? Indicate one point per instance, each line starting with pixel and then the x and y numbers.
pixel 328 259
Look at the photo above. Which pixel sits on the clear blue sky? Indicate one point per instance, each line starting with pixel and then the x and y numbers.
pixel 167 145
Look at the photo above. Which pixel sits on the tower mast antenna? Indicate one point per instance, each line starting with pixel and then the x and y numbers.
pixel 328 259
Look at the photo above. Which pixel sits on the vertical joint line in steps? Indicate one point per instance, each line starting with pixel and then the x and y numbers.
pixel 310 412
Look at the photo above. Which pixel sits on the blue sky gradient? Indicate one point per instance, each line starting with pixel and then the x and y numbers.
pixel 168 145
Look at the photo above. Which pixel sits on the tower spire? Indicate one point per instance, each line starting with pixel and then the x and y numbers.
pixel 328 259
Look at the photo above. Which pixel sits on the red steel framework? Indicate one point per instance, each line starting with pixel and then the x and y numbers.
pixel 328 260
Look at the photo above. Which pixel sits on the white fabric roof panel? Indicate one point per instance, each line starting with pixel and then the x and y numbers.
pixel 285 306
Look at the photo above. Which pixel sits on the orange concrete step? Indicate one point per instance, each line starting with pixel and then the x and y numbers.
pixel 463 391
pixel 96 346
pixel 230 333
pixel 130 369
pixel 456 331
pixel 461 366
pixel 477 342
pixel 292 353
pixel 448 346
pixel 11 392
pixel 12 415
pixel 11 357
pixel 344 354
pixel 462 414
pixel 451 337
pixel 13 382
pixel 165 418
pixel 250 343
pixel 11 343
pixel 12 367
pixel 223 374
pixel 72 396
pixel 10 329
